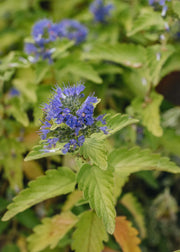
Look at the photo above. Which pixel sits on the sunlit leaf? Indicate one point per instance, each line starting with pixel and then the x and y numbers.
pixel 96 151
pixel 97 186
pixel 17 111
pixel 125 54
pixel 145 21
pixel 54 183
pixel 38 151
pixel 90 234
pixel 156 57
pixel 176 7
pixel 120 178
pixel 114 123
pixel 136 159
pixel 83 70
pixel 149 113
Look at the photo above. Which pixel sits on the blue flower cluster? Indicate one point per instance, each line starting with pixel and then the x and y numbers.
pixel 45 31
pixel 100 10
pixel 162 3
pixel 68 119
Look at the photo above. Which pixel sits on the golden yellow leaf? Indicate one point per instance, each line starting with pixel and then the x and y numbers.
pixel 126 235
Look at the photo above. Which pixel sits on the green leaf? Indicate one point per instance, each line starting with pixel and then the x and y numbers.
pixel 83 70
pixel 17 111
pixel 98 186
pixel 149 113
pixel 120 178
pixel 176 7
pixel 96 151
pixel 135 208
pixel 149 178
pixel 27 218
pixel 170 142
pixel 90 234
pixel 4 226
pixel 117 122
pixel 11 151
pixel 114 123
pixel 38 151
pixel 54 183
pixel 156 57
pixel 41 70
pixel 126 54
pixel 172 63
pixel 145 21
pixel 51 231
pixel 137 159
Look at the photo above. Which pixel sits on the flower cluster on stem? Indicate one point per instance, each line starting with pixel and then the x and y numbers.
pixel 68 119
pixel 45 31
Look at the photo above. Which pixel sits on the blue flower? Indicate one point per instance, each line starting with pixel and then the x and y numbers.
pixel 30 48
pixel 100 11
pixel 72 30
pixel 37 52
pixel 44 31
pixel 68 119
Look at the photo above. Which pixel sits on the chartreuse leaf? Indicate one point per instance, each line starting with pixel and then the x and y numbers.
pixel 120 178
pixel 83 70
pixel 90 234
pixel 17 111
pixel 125 54
pixel 51 231
pixel 171 142
pixel 114 123
pixel 126 235
pixel 156 57
pixel 98 186
pixel 176 8
pixel 135 208
pixel 117 122
pixel 96 151
pixel 54 183
pixel 94 147
pixel 145 21
pixel 149 113
pixel 38 151
pixel 137 159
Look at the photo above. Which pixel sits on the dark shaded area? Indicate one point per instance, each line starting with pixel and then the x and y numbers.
pixel 169 87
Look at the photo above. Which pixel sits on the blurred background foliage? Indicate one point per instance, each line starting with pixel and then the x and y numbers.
pixel 133 69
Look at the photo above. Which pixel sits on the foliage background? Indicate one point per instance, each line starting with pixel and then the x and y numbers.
pixel 119 62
